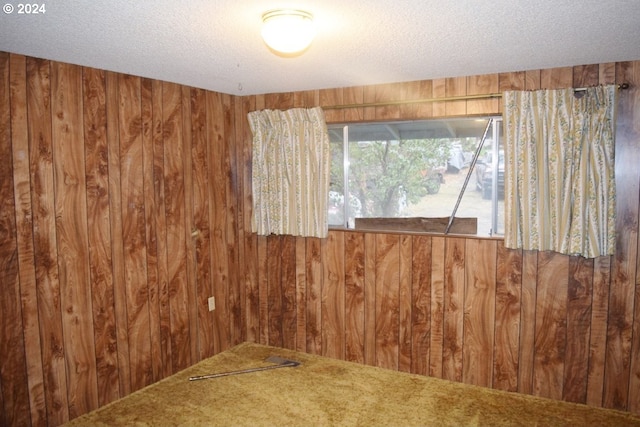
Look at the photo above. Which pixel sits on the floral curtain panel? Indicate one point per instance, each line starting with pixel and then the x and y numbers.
pixel 560 184
pixel 290 169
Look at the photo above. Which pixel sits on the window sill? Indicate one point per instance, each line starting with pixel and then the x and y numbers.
pixel 461 227
pixel 415 233
pixel 420 224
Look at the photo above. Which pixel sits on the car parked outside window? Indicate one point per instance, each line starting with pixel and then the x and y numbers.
pixel 484 174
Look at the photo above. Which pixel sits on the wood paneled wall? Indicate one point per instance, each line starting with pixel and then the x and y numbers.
pixel 126 203
pixel 117 223
pixel 463 309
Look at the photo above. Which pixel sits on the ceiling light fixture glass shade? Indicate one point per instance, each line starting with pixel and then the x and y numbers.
pixel 288 31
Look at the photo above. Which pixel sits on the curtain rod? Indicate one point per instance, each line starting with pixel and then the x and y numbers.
pixel 444 99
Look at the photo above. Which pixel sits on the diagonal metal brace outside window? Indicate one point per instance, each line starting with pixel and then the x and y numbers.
pixel 466 181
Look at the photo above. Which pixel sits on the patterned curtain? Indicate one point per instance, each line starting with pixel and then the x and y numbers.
pixel 290 169
pixel 560 184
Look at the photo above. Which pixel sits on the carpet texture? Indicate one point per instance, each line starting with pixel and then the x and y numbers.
pixel 328 392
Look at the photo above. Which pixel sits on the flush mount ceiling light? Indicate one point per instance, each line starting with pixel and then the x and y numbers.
pixel 288 31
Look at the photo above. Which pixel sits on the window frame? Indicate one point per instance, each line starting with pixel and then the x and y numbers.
pixel 494 136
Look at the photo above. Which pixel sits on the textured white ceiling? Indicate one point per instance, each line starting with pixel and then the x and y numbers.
pixel 216 44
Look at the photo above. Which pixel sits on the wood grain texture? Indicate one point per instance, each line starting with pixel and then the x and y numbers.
pixel 248 241
pixel 454 286
pixel 201 233
pixel 288 284
pixel 274 290
pixel 556 78
pixel 333 297
pixel 115 209
pixel 234 308
pixel 151 225
pixel 300 295
pixel 98 224
pixel 23 181
pixel 586 75
pixel 354 297
pixel 313 269
pixel 527 321
pixel 353 95
pixel 306 97
pixel 622 347
pixel 39 130
pixel 598 339
pixel 550 325
pixel 416 90
pixel 479 312
pixel 419 225
pixel 133 164
pixel 437 306
pixel 478 85
pixel 579 298
pixel 385 93
pixel 607 73
pixel 174 188
pixel 45 236
pixel 421 304
pixel 532 80
pixel 14 216
pixel 218 207
pixel 510 81
pixel 508 320
pixel 631 75
pixel 387 292
pixel 92 146
pixel 163 308
pixel 370 298
pixel 331 97
pixel 263 295
pixel 369 97
pixel 279 101
pixel 456 86
pixel 404 303
pixel 438 90
pixel 10 271
pixel 236 124
pixel 133 228
pixel 72 239
pixel 190 255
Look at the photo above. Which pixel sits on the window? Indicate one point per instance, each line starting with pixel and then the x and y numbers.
pixel 417 169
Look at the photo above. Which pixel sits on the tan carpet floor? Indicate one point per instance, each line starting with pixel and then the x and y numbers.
pixel 328 392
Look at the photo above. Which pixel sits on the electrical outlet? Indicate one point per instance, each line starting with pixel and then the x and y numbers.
pixel 212 303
